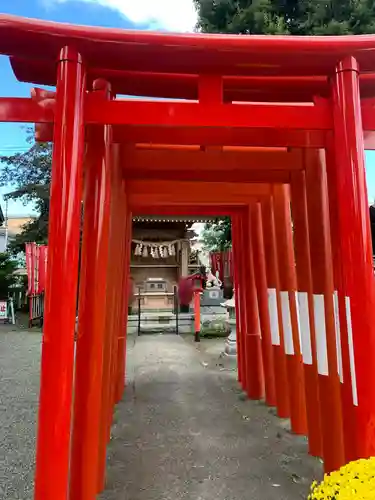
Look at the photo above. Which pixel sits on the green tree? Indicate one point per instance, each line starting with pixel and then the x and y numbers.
pixel 335 17
pixel 216 236
pixel 239 16
pixel 7 276
pixel 29 174
pixel 271 17
pixel 294 17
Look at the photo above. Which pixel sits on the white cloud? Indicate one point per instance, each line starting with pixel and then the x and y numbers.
pixel 172 15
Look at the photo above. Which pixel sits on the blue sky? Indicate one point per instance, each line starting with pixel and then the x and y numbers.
pixel 177 15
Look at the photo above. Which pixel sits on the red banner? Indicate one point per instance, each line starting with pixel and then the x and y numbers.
pixel 43 254
pixel 29 266
pixel 222 262
pixel 36 266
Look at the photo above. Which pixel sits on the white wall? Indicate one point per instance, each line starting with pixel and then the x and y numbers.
pixel 3 239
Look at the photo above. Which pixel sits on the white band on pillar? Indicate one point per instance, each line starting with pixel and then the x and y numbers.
pixel 274 319
pixel 287 323
pixel 321 334
pixel 258 317
pixel 351 351
pixel 303 307
pixel 338 336
pixel 298 320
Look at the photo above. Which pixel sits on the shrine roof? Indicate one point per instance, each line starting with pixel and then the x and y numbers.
pixel 167 65
pixel 184 219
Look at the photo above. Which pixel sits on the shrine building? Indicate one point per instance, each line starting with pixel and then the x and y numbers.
pixel 161 253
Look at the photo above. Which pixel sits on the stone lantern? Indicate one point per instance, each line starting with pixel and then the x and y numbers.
pixel 230 348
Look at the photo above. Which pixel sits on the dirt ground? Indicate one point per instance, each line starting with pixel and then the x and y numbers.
pixel 183 431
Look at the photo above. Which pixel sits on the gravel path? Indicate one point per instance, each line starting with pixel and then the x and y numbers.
pixel 19 392
pixel 184 431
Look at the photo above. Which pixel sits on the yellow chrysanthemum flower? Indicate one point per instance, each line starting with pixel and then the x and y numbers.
pixel 354 481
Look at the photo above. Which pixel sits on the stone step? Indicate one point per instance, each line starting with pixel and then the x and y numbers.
pixel 160 318
pixel 150 328
pixel 154 323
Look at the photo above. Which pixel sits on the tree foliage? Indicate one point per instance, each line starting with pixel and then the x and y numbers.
pixel 239 17
pixel 7 276
pixel 291 17
pixel 29 174
pixel 279 17
pixel 216 236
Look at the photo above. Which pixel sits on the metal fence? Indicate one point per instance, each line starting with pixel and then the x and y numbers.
pixel 176 307
pixel 175 311
pixel 139 311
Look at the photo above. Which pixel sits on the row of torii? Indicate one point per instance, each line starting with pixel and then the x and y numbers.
pixel 279 124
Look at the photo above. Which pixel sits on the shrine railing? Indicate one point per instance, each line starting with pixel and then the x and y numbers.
pixel 36 309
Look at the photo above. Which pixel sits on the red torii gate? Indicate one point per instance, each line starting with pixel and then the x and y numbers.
pixel 269 123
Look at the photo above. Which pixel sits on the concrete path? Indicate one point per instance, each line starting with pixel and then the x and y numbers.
pixel 184 431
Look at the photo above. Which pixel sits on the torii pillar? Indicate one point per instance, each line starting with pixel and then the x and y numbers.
pixel 356 252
